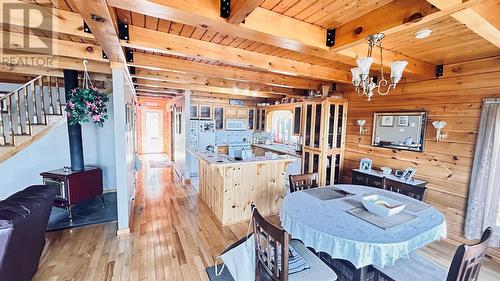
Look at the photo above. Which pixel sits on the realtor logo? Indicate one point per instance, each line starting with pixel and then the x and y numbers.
pixel 27 35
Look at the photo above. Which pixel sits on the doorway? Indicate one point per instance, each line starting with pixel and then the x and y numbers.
pixel 152 131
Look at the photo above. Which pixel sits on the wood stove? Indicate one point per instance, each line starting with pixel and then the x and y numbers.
pixel 74 186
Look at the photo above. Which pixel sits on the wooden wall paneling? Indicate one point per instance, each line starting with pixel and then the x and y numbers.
pixel 455 98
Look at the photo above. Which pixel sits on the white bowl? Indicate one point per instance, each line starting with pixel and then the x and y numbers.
pixel 377 205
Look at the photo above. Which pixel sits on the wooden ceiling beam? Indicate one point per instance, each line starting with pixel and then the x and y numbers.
pixel 154 62
pixel 65 22
pixel 208 81
pixel 156 41
pixel 481 18
pixel 141 83
pixel 395 14
pixel 59 47
pixel 240 9
pixel 263 26
pixel 98 18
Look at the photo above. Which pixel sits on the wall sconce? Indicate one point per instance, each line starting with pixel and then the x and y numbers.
pixel 439 125
pixel 361 123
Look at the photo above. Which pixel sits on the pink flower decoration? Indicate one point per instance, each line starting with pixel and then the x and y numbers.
pixel 96 118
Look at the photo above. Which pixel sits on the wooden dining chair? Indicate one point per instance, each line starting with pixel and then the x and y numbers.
pixel 303 181
pixel 272 248
pixel 465 265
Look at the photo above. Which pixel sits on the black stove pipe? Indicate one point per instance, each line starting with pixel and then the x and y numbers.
pixel 74 131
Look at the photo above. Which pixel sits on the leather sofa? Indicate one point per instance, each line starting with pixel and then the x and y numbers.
pixel 23 221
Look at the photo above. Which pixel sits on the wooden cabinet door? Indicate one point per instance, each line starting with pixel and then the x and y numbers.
pixel 251 113
pixel 297 120
pixel 263 120
pixel 308 125
pixel 241 113
pixel 231 112
pixel 205 112
pixel 193 112
pixel 257 120
pixel 219 118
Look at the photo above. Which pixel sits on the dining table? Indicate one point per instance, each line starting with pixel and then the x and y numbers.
pixel 332 221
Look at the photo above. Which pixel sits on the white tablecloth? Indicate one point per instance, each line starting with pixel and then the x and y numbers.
pixel 326 227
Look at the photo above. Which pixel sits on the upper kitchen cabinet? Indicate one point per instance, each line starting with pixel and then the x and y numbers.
pixel 297 120
pixel 260 119
pixel 234 112
pixel 251 118
pixel 324 132
pixel 219 117
pixel 205 112
pixel 193 112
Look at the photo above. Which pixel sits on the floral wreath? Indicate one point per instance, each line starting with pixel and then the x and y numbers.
pixel 87 102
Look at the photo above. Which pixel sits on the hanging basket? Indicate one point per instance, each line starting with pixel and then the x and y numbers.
pixel 87 103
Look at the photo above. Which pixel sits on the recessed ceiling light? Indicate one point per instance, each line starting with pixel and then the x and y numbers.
pixel 424 33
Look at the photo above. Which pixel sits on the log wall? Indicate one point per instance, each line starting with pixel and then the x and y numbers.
pixel 456 98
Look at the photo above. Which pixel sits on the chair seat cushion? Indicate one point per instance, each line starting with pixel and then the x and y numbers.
pixel 318 270
pixel 416 268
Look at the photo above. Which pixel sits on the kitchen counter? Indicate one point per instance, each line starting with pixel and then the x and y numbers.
pixel 225 160
pixel 280 148
pixel 229 187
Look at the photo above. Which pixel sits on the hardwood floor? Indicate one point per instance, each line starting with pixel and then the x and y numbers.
pixel 174 237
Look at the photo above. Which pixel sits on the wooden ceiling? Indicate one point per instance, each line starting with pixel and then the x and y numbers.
pixel 267 48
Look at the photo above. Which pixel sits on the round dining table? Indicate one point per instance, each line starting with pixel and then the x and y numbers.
pixel 327 226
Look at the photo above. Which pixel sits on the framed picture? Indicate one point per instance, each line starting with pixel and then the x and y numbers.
pixel 387 121
pixel 402 121
pixel 365 164
pixel 408 174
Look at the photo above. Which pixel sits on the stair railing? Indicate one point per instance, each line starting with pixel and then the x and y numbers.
pixel 29 105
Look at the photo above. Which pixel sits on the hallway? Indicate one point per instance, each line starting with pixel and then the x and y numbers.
pixel 173 237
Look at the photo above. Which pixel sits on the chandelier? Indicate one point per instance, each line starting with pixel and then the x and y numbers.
pixel 361 80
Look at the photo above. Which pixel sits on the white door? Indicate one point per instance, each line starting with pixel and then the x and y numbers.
pixel 152 132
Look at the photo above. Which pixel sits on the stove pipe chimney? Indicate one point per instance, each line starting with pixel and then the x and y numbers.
pixel 74 131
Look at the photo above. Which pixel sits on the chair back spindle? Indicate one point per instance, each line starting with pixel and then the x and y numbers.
pixel 303 181
pixel 271 249
pixel 467 260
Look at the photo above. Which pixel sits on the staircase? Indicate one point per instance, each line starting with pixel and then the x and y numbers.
pixel 29 112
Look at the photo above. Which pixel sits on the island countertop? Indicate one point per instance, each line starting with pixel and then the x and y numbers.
pixel 225 160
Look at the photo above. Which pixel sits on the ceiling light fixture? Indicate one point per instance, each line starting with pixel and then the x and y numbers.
pixel 424 33
pixel 361 80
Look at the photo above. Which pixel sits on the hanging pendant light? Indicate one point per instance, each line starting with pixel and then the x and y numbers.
pixel 361 80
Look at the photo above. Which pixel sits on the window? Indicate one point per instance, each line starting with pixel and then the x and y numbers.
pixel 281 126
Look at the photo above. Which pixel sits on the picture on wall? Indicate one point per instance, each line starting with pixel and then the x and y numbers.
pixel 387 121
pixel 365 164
pixel 402 121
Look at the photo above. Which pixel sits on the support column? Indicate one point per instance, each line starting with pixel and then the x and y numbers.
pixel 74 131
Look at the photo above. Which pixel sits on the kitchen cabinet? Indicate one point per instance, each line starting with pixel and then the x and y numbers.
pixel 219 118
pixel 260 120
pixel 205 112
pixel 231 112
pixel 324 132
pixel 251 117
pixel 193 112
pixel 297 120
pixel 241 113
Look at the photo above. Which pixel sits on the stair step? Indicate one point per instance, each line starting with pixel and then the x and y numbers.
pixel 20 135
pixel 53 114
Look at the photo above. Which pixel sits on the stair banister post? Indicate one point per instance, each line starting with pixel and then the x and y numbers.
pixel 74 131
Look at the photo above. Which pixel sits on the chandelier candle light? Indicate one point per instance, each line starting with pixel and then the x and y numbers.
pixel 361 80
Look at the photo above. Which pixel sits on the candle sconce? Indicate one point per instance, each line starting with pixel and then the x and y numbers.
pixel 361 123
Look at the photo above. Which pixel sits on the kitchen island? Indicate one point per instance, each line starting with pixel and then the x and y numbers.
pixel 229 187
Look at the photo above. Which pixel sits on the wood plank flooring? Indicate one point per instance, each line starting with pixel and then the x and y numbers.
pixel 174 237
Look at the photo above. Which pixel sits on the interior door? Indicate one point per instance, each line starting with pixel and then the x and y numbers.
pixel 152 132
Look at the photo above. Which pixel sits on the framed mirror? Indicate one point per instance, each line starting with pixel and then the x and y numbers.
pixel 400 130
